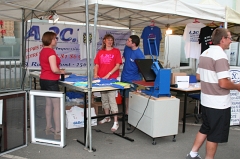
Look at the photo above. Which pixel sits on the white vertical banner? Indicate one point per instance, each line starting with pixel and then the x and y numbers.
pixel 235 97
pixel 232 53
pixel 172 52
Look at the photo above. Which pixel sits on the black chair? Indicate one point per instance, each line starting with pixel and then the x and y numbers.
pixel 197 98
pixel 197 108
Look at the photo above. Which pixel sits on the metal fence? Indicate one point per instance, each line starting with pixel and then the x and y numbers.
pixel 12 75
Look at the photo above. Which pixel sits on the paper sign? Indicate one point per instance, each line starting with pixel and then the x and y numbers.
pixel 182 81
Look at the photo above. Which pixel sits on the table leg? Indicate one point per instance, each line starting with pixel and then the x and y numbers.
pixel 123 120
pixel 124 110
pixel 30 82
pixel 35 83
pixel 85 123
pixel 184 112
pixel 85 117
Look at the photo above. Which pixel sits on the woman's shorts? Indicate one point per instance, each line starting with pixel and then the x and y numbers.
pixel 49 85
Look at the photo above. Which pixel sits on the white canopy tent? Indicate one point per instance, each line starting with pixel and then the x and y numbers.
pixel 123 13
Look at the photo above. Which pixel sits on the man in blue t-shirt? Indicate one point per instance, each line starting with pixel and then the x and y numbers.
pixel 130 70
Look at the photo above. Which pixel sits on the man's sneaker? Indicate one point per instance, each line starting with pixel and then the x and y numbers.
pixel 189 157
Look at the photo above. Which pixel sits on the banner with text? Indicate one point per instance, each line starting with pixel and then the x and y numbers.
pixel 71 45
pixel 235 98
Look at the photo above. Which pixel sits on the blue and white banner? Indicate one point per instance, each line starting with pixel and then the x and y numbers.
pixel 71 46
pixel 235 98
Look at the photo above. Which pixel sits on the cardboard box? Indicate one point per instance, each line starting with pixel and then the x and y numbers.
pixel 75 117
pixel 176 74
pixel 69 107
pixel 95 105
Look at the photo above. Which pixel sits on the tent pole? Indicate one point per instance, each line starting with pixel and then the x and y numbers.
pixel 225 24
pixel 23 57
pixel 94 41
pixel 23 39
pixel 89 74
pixel 130 24
pixel 92 56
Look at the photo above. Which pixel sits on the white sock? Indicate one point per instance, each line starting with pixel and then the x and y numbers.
pixel 193 154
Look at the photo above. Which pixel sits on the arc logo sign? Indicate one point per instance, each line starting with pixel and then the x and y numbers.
pixel 71 43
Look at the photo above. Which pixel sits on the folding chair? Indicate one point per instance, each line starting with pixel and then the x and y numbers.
pixel 195 97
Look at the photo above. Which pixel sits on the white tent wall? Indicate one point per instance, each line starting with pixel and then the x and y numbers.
pixel 160 6
pixel 201 11
pixel 232 16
